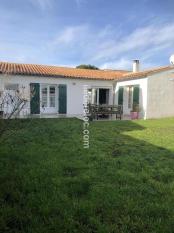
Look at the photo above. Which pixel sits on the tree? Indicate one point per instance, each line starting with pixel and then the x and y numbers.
pixel 89 67
pixel 12 103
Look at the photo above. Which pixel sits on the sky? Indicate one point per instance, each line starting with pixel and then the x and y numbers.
pixel 106 33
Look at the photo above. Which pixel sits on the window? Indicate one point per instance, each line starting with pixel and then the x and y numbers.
pixel 120 95
pixel 103 96
pixel 100 95
pixel 13 87
pixel 49 96
pixel 52 96
pixel 44 97
pixel 136 94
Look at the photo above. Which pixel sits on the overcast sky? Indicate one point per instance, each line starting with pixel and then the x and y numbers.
pixel 106 33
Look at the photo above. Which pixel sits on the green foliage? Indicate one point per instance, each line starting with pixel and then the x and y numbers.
pixel 89 67
pixel 124 183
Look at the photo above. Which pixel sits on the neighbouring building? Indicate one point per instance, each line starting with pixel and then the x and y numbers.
pixel 60 90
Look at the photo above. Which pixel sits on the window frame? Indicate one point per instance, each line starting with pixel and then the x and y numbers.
pixel 48 96
pixel 51 96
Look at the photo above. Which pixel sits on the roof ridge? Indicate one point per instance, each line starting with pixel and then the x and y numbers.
pixel 144 73
pixel 70 72
pixel 64 67
pixel 57 71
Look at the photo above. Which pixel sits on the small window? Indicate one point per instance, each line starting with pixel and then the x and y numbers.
pixel 12 87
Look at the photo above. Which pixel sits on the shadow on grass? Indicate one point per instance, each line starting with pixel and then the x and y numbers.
pixel 49 183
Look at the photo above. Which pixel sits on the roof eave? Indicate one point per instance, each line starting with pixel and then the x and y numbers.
pixel 58 76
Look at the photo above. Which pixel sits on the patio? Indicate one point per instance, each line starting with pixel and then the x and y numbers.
pixel 80 117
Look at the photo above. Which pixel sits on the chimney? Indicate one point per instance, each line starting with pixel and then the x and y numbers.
pixel 136 66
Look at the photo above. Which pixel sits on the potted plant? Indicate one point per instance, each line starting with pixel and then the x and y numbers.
pixel 135 111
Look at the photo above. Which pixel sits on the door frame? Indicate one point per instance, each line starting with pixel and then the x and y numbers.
pixel 48 109
pixel 96 94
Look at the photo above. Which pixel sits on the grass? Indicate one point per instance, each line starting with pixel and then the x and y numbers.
pixel 123 184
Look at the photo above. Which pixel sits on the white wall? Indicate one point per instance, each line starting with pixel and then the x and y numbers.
pixel 156 92
pixel 75 88
pixel 160 99
pixel 143 95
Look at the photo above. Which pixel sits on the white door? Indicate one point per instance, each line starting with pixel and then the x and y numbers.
pixel 49 99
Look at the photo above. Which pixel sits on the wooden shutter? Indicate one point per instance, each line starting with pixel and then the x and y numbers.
pixel 120 95
pixel 136 93
pixel 34 98
pixel 62 99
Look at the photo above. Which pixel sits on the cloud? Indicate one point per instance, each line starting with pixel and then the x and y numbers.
pixel 126 64
pixel 21 52
pixel 110 47
pixel 122 63
pixel 42 4
pixel 61 38
pixel 142 39
pixel 82 40
pixel 70 35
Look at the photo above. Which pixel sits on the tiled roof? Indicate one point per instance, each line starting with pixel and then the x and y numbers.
pixel 54 71
pixel 145 73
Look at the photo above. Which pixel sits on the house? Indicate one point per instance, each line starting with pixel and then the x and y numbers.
pixel 60 90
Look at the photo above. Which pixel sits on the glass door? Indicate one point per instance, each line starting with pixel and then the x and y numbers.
pixel 49 99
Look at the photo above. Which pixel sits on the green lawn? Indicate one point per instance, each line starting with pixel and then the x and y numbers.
pixel 123 183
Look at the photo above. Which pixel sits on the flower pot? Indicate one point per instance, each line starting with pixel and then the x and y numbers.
pixel 134 115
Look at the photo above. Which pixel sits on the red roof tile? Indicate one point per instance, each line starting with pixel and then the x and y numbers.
pixel 145 73
pixel 54 71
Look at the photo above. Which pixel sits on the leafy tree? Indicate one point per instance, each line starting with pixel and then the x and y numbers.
pixel 89 67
